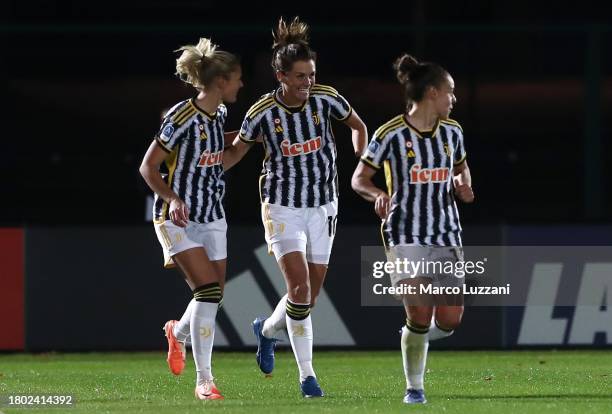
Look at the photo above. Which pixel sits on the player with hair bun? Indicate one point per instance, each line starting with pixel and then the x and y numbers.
pixel 423 155
pixel 298 188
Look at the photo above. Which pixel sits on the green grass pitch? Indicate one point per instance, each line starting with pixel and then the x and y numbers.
pixel 373 382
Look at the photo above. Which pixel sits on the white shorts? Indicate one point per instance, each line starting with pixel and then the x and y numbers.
pixel 174 239
pixel 310 230
pixel 424 254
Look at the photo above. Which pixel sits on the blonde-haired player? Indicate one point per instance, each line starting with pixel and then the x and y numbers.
pixel 188 213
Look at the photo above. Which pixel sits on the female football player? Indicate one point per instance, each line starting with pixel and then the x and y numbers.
pixel 424 160
pixel 188 215
pixel 298 188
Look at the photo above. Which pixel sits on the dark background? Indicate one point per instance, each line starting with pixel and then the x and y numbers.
pixel 84 83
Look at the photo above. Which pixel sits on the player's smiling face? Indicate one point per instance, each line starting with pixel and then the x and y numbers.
pixel 298 81
pixel 445 97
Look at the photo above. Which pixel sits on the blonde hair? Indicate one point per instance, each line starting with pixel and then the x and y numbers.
pixel 199 64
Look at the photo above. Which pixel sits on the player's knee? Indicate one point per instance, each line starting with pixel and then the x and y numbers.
pixel 419 320
pixel 420 316
pixel 449 322
pixel 300 292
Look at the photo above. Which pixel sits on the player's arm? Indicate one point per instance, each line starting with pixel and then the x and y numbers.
pixel 228 138
pixel 149 169
pixel 359 132
pixel 243 140
pixel 233 154
pixel 462 180
pixel 364 186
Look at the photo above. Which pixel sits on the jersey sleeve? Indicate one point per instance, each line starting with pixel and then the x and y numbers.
pixel 222 113
pixel 170 134
pixel 340 108
pixel 251 126
pixel 459 152
pixel 377 151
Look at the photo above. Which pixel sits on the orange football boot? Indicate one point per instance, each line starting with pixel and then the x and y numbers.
pixel 208 391
pixel 176 350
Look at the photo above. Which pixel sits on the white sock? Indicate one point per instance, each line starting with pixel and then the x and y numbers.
pixel 182 329
pixel 436 333
pixel 276 321
pixel 187 317
pixel 202 338
pixel 414 355
pixel 300 335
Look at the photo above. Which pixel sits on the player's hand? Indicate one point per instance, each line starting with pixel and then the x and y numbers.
pixel 464 193
pixel 178 212
pixel 381 205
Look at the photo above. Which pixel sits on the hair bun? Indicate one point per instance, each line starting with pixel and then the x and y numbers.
pixel 404 66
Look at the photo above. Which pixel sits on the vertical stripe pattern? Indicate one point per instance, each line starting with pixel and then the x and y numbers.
pixel 194 166
pixel 299 168
pixel 418 168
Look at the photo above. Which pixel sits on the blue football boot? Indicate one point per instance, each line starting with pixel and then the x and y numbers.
pixel 414 396
pixel 310 388
pixel 265 348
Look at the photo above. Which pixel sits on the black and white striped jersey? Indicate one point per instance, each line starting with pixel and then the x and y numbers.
pixel 299 168
pixel 194 166
pixel 418 169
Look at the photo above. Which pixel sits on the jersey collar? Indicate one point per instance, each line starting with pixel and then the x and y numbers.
pixel 422 134
pixel 290 109
pixel 200 110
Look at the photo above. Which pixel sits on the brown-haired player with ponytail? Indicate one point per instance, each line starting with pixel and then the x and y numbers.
pixel 188 213
pixel 299 189
pixel 424 159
